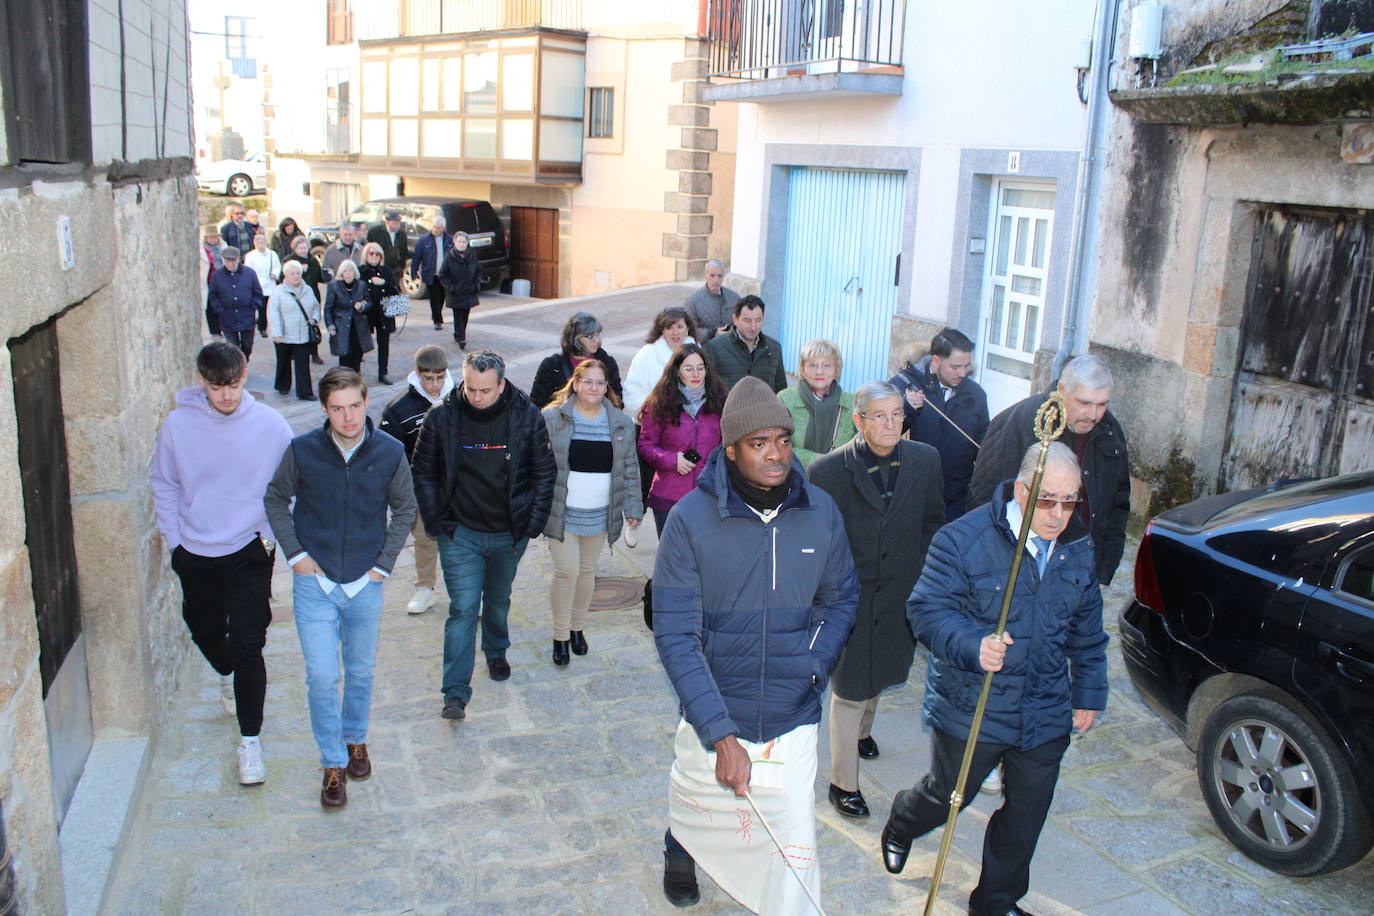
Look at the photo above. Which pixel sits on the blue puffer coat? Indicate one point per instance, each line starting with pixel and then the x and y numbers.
pixel 750 618
pixel 1058 661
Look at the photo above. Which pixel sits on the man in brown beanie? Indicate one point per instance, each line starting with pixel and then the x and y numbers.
pixel 754 598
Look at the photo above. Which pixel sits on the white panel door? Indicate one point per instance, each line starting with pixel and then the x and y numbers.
pixel 844 230
pixel 1013 301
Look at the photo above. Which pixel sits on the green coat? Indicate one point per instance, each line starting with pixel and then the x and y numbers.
pixel 801 418
pixel 732 361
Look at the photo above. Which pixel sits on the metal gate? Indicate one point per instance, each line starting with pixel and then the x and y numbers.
pixel 52 555
pixel 1303 404
pixel 843 264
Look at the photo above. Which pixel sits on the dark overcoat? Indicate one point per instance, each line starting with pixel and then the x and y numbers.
pixel 889 547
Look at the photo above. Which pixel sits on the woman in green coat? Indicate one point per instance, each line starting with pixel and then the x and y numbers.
pixel 821 411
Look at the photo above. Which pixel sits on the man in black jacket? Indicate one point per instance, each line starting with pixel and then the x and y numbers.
pixel 939 382
pixel 430 383
pixel 392 238
pixel 1097 442
pixel 344 478
pixel 491 436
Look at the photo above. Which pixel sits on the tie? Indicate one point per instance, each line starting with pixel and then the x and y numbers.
pixel 1042 553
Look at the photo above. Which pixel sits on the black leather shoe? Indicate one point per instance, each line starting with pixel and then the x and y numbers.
pixel 868 748
pixel 579 642
pixel 560 652
pixel 383 380
pixel 680 880
pixel 498 668
pixel 850 804
pixel 1014 911
pixel 453 709
pixel 894 851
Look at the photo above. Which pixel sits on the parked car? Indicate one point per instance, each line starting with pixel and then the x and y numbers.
pixel 1252 635
pixel 477 218
pixel 234 177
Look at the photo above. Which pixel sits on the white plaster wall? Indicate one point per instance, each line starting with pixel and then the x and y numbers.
pixel 151 51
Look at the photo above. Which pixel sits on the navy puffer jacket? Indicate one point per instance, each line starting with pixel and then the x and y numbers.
pixel 750 618
pixel 1058 661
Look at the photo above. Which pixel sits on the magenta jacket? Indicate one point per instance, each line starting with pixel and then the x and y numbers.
pixel 659 444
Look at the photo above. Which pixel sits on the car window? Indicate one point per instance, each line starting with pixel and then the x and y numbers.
pixel 462 219
pixel 1358 577
pixel 367 213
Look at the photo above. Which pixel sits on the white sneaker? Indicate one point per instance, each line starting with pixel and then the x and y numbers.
pixel 993 784
pixel 424 597
pixel 226 695
pixel 252 771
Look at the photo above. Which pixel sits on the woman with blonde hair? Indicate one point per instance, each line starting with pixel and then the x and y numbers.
pixel 822 412
pixel 345 314
pixel 379 281
pixel 597 486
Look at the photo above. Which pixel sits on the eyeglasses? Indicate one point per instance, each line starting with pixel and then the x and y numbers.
pixel 883 419
pixel 1049 502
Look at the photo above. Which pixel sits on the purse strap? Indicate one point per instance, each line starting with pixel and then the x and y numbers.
pixel 298 304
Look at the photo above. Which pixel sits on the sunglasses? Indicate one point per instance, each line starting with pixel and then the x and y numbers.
pixel 1049 502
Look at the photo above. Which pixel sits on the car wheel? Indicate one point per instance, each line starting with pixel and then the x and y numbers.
pixel 413 287
pixel 238 186
pixel 1278 787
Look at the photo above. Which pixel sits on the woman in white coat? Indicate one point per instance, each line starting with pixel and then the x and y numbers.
pixel 672 328
pixel 290 312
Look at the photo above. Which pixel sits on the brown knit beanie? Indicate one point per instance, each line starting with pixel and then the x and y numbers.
pixel 750 407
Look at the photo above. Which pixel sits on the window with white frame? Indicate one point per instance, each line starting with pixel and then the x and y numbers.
pixel 600 112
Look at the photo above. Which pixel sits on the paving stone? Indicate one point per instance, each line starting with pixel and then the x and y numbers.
pixel 1135 840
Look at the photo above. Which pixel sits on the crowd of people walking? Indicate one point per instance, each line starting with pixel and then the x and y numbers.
pixel 809 539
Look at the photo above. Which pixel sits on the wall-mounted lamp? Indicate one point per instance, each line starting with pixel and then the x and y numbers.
pixel 1147 35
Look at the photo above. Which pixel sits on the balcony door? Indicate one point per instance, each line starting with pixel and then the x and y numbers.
pixel 1013 303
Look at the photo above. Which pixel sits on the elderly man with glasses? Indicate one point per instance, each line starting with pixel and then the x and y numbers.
pixel 889 491
pixel 1051 667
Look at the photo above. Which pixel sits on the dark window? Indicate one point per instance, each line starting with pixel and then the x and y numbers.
pixel 44 73
pixel 1358 578
pixel 601 108
pixel 339 22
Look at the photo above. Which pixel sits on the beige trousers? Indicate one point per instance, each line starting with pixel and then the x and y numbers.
pixel 850 720
pixel 426 555
pixel 574 579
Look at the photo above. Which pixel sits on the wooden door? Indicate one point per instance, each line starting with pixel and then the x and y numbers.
pixel 534 249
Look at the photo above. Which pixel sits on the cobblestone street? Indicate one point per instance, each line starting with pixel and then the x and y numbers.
pixel 551 796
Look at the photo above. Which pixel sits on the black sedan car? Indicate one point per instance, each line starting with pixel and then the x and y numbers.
pixel 1252 635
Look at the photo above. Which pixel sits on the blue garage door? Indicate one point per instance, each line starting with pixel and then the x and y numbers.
pixel 844 232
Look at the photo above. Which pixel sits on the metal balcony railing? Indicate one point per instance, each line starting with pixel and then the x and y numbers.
pixel 756 39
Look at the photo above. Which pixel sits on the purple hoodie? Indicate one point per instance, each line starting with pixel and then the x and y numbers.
pixel 210 471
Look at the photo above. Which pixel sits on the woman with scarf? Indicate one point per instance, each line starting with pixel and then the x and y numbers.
pixel 290 312
pixel 380 282
pixel 679 426
pixel 822 412
pixel 345 312
pixel 284 239
pixel 597 488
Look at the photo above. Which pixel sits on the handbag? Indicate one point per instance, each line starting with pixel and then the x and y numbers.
pixel 312 326
pixel 395 305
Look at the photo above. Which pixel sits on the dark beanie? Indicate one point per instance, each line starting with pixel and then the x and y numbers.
pixel 750 407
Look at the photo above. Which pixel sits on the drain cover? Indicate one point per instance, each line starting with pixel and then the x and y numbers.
pixel 615 593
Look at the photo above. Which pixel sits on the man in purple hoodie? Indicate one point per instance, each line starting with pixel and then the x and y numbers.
pixel 215 455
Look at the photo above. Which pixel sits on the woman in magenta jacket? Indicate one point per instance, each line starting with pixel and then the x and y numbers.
pixel 679 427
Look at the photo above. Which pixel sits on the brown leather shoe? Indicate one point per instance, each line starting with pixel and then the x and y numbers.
pixel 359 767
pixel 333 794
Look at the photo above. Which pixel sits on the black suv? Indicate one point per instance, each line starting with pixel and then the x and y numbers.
pixel 477 218
pixel 1252 635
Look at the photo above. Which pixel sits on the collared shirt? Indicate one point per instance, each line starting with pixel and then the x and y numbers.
pixel 1014 516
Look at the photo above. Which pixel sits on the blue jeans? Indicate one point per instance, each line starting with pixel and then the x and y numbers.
pixel 327 624
pixel 479 567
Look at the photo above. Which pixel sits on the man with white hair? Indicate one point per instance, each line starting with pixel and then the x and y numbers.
pixel 1097 442
pixel 347 248
pixel 712 306
pixel 428 261
pixel 1050 666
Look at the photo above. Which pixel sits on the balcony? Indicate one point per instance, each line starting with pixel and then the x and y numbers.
pixel 499 106
pixel 782 50
pixel 385 19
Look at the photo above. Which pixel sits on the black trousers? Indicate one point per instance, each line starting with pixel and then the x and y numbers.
pixel 1028 779
pixel 224 604
pixel 460 325
pixel 241 339
pixel 383 346
pixel 353 360
pixel 297 355
pixel 646 475
pixel 436 303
